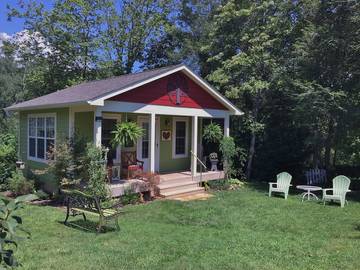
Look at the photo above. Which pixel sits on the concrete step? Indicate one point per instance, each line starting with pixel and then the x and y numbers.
pixel 182 191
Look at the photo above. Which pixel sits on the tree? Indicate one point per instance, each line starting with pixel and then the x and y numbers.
pixel 326 74
pixel 248 58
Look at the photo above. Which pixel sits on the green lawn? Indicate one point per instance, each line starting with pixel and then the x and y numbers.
pixel 234 230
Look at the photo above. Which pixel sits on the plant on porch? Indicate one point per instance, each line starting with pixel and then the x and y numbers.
pixel 126 132
pixel 212 133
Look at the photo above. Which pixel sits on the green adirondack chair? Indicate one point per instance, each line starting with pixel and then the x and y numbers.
pixel 282 184
pixel 341 186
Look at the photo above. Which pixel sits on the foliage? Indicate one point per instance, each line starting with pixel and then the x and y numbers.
pixel 229 151
pixel 62 165
pixel 19 185
pixel 10 223
pixel 95 171
pixel 235 183
pixel 212 133
pixel 8 156
pixel 126 132
pixel 129 197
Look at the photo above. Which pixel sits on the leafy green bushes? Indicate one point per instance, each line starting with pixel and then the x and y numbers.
pixel 9 223
pixel 8 157
pixel 19 185
pixel 95 171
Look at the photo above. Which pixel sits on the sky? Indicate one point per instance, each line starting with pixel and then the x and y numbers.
pixel 15 25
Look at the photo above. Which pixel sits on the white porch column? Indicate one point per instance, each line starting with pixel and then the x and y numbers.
pixel 152 142
pixel 97 126
pixel 227 126
pixel 194 144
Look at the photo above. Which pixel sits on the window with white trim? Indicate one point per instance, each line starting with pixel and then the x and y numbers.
pixel 41 136
pixel 180 127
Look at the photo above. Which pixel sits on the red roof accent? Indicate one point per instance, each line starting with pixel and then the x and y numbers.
pixel 161 92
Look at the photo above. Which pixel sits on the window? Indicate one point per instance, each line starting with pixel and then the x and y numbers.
pixel 145 141
pixel 180 126
pixel 41 137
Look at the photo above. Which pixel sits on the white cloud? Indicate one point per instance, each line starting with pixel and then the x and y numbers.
pixel 3 37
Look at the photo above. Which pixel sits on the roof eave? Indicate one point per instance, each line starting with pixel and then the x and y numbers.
pixel 16 108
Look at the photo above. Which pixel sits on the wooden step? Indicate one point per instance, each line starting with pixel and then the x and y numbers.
pixel 182 191
pixel 172 185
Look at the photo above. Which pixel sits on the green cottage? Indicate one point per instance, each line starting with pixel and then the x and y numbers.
pixel 170 104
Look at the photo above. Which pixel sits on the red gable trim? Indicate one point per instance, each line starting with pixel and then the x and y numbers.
pixel 176 90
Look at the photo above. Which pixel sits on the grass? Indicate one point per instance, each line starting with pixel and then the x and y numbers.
pixel 241 229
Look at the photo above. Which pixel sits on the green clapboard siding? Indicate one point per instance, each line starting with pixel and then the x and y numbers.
pixel 62 132
pixel 84 125
pixel 167 163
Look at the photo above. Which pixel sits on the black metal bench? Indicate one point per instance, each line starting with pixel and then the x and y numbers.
pixel 79 203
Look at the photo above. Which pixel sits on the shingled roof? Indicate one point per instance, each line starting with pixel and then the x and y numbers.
pixel 95 92
pixel 83 92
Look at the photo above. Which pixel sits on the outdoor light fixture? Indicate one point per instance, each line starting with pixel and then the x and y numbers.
pixel 167 122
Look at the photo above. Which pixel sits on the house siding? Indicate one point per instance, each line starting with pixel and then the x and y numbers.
pixel 84 125
pixel 156 93
pixel 62 132
pixel 167 162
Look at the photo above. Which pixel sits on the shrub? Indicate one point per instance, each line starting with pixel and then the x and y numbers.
pixel 8 157
pixel 95 171
pixel 9 223
pixel 231 154
pixel 212 133
pixel 63 166
pixel 19 185
pixel 130 197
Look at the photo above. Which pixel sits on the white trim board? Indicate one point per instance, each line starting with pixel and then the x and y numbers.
pixel 99 101
pixel 129 107
pixel 180 119
pixel 36 115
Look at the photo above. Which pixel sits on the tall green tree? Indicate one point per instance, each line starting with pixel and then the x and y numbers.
pixel 326 73
pixel 248 50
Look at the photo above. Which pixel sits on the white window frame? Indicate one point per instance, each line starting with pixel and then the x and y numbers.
pixel 175 120
pixel 44 115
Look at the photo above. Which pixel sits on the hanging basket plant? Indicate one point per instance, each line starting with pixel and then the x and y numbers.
pixel 212 133
pixel 126 132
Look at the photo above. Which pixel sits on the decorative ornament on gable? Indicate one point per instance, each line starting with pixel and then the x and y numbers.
pixel 177 88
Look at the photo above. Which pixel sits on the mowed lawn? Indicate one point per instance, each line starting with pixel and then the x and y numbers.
pixel 241 229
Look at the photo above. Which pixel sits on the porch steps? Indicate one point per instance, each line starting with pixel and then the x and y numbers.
pixel 183 191
pixel 171 187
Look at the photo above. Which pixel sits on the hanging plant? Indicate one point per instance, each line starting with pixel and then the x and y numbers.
pixel 212 133
pixel 126 132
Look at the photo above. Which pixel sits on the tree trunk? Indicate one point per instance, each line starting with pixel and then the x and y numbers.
pixel 253 137
pixel 251 155
pixel 328 144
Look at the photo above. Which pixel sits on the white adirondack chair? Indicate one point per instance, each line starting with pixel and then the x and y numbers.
pixel 341 186
pixel 282 184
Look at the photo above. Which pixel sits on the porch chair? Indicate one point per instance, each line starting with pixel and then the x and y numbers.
pixel 282 184
pixel 341 186
pixel 130 163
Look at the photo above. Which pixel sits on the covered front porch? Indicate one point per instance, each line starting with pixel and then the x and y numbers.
pixel 170 143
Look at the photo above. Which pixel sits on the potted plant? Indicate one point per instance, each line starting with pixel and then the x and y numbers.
pixel 126 132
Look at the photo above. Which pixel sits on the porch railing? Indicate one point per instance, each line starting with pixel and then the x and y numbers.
pixel 202 166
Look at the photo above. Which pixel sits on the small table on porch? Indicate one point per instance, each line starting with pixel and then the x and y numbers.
pixel 308 191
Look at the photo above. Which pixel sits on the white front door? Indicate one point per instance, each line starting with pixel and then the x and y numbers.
pixel 143 145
